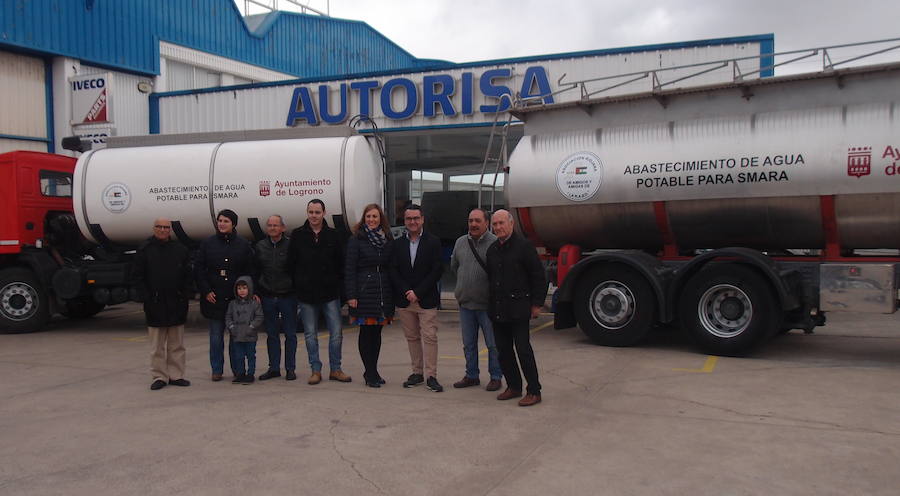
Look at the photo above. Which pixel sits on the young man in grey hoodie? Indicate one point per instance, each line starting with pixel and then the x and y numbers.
pixel 243 320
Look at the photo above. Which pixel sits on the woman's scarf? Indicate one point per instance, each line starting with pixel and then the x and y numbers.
pixel 376 237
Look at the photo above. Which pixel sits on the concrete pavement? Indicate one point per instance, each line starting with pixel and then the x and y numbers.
pixel 808 414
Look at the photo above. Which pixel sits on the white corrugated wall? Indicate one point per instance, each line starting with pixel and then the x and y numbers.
pixel 23 106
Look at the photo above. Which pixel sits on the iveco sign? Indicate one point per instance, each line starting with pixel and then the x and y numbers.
pixel 429 95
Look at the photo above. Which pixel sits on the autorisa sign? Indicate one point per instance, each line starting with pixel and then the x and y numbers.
pixel 579 176
pixel 91 99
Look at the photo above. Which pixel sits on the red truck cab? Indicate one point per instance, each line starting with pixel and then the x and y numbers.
pixel 33 186
pixel 39 242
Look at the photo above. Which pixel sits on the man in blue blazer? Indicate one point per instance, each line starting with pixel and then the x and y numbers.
pixel 415 271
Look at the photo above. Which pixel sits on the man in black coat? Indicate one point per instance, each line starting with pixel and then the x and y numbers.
pixel 316 262
pixel 518 288
pixel 415 271
pixel 221 259
pixel 162 276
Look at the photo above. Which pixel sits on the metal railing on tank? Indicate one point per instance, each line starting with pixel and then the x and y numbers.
pixel 742 68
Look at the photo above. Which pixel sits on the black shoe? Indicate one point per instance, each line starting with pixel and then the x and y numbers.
pixel 239 378
pixel 248 379
pixel 414 380
pixel 180 382
pixel 434 385
pixel 271 374
pixel 381 381
pixel 373 384
pixel 157 385
pixel 289 376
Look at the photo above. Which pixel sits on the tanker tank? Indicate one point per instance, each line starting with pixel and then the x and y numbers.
pixel 766 180
pixel 120 191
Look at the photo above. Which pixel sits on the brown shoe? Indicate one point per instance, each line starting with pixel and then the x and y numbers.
pixel 509 394
pixel 530 399
pixel 466 382
pixel 339 375
pixel 216 377
pixel 494 385
pixel 315 378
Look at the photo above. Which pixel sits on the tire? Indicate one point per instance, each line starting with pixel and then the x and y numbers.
pixel 24 305
pixel 729 310
pixel 614 305
pixel 81 308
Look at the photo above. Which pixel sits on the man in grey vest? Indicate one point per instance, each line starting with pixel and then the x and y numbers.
pixel 468 263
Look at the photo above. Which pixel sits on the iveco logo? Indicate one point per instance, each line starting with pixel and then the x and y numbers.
pixel 579 176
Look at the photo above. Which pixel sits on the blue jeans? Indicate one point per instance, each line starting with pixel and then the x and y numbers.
pixel 309 314
pixel 243 359
pixel 217 346
pixel 470 321
pixel 287 307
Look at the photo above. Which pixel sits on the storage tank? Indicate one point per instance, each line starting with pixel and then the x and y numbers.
pixel 765 180
pixel 120 191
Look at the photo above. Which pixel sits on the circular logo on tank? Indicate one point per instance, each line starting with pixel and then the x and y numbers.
pixel 579 176
pixel 116 198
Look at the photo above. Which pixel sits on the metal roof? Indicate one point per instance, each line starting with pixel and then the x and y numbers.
pixel 125 35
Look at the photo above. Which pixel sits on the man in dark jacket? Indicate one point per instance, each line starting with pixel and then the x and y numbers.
pixel 415 271
pixel 316 261
pixel 221 259
pixel 162 276
pixel 277 294
pixel 518 288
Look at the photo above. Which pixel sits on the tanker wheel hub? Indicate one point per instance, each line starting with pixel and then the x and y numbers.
pixel 612 304
pixel 18 301
pixel 725 310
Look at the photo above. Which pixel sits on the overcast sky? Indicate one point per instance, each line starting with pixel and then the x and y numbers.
pixel 471 30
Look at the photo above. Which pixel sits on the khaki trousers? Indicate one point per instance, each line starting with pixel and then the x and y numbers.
pixel 420 328
pixel 167 355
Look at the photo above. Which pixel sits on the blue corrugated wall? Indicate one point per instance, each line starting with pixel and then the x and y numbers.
pixel 124 34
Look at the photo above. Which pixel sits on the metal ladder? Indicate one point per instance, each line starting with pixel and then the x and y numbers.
pixel 500 159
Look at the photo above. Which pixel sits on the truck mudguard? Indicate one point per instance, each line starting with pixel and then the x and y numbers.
pixel 646 265
pixel 763 263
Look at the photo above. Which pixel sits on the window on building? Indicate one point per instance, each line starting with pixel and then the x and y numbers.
pixel 54 183
pixel 181 76
pixel 423 181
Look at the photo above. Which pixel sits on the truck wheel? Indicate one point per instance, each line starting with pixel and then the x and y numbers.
pixel 81 308
pixel 729 310
pixel 614 305
pixel 24 306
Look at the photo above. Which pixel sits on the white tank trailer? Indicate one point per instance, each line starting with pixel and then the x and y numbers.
pixel 740 210
pixel 120 191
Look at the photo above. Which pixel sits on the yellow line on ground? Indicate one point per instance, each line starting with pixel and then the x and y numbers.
pixel 542 326
pixel 708 366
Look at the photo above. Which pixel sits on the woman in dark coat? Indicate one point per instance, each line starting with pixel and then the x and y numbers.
pixel 221 259
pixel 368 286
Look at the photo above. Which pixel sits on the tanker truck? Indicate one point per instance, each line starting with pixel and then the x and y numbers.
pixel 76 225
pixel 734 211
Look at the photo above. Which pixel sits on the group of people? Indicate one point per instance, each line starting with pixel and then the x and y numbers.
pixel 244 288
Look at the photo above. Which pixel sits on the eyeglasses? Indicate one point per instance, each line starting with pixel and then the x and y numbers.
pixel 164 228
pixel 419 217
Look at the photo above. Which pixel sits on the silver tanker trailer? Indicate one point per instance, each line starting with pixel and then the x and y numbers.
pixel 738 210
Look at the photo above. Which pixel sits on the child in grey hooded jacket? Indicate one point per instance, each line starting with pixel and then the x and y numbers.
pixel 243 319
